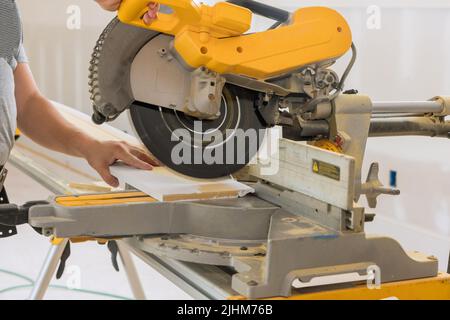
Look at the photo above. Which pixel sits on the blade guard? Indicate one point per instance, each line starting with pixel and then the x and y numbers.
pixel 213 37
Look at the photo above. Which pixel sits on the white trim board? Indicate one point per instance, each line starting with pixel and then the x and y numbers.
pixel 163 184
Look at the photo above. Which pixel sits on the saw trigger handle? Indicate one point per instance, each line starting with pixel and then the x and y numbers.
pixel 221 20
pixel 132 12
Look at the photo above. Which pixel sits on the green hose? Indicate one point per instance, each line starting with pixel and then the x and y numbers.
pixel 31 285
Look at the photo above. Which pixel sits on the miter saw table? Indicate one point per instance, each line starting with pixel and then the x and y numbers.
pixel 273 243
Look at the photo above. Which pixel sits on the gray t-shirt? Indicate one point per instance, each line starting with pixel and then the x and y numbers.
pixel 11 53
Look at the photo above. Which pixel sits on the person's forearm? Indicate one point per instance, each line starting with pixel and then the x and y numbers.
pixel 39 120
pixel 44 125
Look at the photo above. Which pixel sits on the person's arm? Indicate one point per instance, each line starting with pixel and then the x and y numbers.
pixel 39 120
pixel 113 5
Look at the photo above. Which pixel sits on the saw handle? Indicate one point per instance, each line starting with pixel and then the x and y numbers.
pixel 221 20
pixel 263 10
pixel 184 12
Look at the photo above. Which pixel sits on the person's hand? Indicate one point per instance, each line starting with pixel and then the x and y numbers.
pixel 110 5
pixel 101 155
pixel 152 13
pixel 113 5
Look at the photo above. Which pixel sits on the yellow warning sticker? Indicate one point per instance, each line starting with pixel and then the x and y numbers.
pixel 316 167
pixel 326 169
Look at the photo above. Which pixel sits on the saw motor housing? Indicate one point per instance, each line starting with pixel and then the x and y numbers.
pixel 213 37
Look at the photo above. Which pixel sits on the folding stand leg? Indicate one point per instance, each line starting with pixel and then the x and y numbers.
pixel 130 269
pixel 53 259
pixel 448 266
pixel 48 270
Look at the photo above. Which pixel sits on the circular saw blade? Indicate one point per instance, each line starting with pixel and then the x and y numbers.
pixel 202 148
pixel 110 67
pixel 128 70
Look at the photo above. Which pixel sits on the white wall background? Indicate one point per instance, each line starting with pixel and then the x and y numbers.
pixel 407 58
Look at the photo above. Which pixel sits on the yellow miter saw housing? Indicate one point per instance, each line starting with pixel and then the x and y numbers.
pixel 213 37
pixel 197 68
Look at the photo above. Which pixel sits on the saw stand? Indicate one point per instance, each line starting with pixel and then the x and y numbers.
pixel 55 257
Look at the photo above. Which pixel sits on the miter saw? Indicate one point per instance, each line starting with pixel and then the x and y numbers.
pixel 198 64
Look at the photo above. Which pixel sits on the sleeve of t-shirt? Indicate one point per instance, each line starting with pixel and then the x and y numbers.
pixel 21 55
